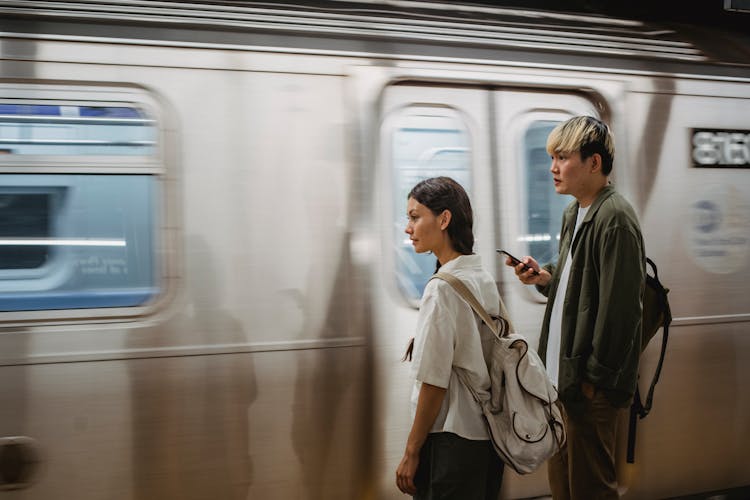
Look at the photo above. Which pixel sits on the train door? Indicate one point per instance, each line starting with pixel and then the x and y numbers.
pixel 529 211
pixel 492 141
pixel 424 131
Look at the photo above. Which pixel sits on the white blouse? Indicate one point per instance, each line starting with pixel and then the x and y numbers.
pixel 447 339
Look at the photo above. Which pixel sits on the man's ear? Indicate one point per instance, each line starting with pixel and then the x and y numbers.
pixel 445 219
pixel 596 162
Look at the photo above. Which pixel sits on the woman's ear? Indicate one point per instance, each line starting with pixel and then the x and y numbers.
pixel 445 219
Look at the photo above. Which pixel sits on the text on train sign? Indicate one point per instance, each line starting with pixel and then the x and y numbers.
pixel 720 148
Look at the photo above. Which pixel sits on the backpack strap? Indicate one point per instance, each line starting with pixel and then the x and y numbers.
pixel 469 297
pixel 464 292
pixel 637 409
pixel 664 306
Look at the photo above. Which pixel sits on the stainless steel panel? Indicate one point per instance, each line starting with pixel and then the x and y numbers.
pixel 265 425
pixel 240 384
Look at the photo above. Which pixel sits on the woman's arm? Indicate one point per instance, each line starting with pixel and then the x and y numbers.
pixel 428 406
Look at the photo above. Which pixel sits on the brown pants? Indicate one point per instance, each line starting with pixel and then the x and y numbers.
pixel 584 469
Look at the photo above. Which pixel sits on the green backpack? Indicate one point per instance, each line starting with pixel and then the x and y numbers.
pixel 656 314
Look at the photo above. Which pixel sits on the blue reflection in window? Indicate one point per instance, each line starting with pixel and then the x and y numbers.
pixel 77 241
pixel 62 130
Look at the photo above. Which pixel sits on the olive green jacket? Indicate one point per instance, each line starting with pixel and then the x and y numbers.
pixel 601 319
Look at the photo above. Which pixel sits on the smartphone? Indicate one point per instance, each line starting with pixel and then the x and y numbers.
pixel 516 261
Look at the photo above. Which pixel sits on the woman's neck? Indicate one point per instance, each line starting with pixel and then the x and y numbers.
pixel 446 255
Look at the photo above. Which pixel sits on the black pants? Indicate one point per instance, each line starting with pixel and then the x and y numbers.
pixel 454 468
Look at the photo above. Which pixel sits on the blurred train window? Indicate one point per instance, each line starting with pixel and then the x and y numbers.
pixel 47 129
pixel 425 143
pixel 78 227
pixel 77 241
pixel 544 207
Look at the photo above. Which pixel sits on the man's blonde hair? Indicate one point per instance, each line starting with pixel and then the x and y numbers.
pixel 587 135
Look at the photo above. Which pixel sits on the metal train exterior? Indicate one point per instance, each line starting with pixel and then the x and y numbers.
pixel 204 284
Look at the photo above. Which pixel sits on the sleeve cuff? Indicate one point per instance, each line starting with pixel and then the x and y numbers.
pixel 544 290
pixel 600 375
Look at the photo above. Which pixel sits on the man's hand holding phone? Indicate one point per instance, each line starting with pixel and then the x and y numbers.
pixel 527 270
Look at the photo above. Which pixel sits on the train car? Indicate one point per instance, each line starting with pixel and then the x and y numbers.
pixel 205 287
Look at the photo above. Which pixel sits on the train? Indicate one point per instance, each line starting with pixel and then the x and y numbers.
pixel 205 285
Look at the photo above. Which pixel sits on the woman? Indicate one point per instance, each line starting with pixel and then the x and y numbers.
pixel 448 453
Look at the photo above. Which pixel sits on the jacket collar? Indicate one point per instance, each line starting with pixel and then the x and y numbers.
pixel 605 193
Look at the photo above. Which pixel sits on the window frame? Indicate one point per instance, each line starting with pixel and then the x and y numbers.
pixel 152 164
pixel 76 95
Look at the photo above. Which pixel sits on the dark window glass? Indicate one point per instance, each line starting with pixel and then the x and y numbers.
pixel 24 217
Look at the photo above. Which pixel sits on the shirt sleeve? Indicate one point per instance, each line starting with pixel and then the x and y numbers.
pixel 544 289
pixel 435 340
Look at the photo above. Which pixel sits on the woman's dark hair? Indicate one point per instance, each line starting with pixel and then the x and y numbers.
pixel 443 193
pixel 439 194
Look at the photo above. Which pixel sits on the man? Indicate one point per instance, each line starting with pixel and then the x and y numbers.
pixel 591 334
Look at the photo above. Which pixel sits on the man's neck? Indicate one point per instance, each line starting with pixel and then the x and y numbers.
pixel 592 194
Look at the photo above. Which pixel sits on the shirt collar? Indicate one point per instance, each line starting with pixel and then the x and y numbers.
pixel 462 262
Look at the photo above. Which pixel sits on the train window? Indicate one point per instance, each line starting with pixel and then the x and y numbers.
pixel 78 228
pixel 425 143
pixel 76 241
pixel 544 207
pixel 65 130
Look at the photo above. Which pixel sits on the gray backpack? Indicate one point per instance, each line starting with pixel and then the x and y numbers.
pixel 524 423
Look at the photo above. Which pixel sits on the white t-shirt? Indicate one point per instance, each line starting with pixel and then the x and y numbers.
pixel 555 321
pixel 447 338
